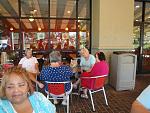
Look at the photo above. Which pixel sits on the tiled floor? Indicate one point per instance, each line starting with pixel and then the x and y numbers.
pixel 119 101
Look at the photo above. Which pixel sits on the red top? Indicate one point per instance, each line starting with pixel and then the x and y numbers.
pixel 100 68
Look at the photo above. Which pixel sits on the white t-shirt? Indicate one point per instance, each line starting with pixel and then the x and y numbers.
pixel 29 64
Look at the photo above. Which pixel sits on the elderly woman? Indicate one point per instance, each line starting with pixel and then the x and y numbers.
pixel 86 63
pixel 30 63
pixel 87 60
pixel 99 68
pixel 17 95
pixel 56 72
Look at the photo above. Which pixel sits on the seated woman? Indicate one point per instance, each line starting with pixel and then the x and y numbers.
pixel 99 68
pixel 30 63
pixel 17 94
pixel 142 103
pixel 87 61
pixel 56 72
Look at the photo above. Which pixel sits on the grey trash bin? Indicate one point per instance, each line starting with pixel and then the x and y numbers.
pixel 123 71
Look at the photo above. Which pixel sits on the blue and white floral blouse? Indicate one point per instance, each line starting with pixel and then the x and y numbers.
pixel 39 102
pixel 57 74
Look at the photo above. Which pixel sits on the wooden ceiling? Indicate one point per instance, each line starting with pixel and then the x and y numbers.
pixel 62 13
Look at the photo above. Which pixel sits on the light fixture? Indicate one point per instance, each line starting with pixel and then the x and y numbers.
pixel 11 29
pixel 31 19
pixel 149 17
pixel 137 6
pixel 39 29
pixel 66 28
pixel 137 20
pixel 35 10
pixel 68 12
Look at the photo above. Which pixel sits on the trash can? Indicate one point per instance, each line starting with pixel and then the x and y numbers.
pixel 123 71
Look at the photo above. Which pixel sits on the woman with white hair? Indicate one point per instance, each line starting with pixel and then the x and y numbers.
pixel 87 60
pixel 30 63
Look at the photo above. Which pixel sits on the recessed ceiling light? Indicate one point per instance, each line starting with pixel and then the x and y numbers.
pixel 149 17
pixel 31 19
pixel 11 29
pixel 66 28
pixel 39 29
pixel 137 6
pixel 136 20
pixel 35 10
pixel 68 12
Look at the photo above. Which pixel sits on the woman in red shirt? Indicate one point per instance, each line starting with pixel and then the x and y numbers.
pixel 100 68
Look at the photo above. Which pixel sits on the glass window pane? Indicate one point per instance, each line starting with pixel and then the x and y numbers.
pixel 84 33
pixel 146 49
pixel 9 8
pixel 35 40
pixel 63 34
pixel 146 37
pixel 34 8
pixel 9 36
pixel 63 8
pixel 138 11
pixel 147 12
pixel 84 9
pixel 35 34
pixel 136 36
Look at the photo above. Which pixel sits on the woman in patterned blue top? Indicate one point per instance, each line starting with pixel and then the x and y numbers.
pixel 55 72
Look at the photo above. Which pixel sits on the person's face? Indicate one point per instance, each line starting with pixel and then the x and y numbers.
pixel 85 54
pixel 16 89
pixel 29 54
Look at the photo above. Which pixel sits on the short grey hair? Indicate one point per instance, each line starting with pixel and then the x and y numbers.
pixel 55 56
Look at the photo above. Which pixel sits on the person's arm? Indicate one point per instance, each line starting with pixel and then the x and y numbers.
pixel 138 108
pixel 69 71
pixel 36 65
pixel 32 76
pixel 20 63
pixel 81 64
pixel 37 68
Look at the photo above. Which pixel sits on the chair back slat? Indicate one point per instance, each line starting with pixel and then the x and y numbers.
pixel 56 88
pixel 97 82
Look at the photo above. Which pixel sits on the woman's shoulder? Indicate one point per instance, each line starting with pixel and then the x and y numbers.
pixel 5 106
pixel 36 96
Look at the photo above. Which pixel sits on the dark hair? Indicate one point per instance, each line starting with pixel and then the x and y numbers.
pixel 101 56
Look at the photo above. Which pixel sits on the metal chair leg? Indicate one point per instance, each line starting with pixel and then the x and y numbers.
pixel 92 100
pixel 67 104
pixel 105 96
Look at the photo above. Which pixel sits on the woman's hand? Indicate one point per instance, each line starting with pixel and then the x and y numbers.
pixel 40 85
